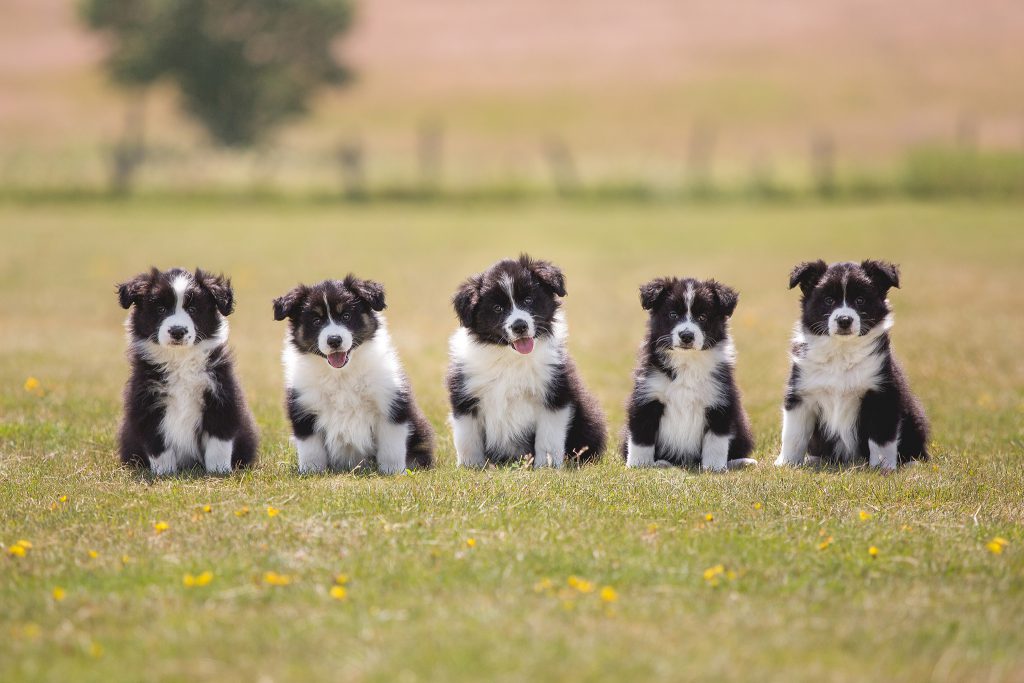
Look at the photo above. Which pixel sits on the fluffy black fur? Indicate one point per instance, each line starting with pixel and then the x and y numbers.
pixel 155 392
pixel 682 314
pixel 512 306
pixel 887 409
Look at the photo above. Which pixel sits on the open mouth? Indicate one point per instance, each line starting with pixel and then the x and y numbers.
pixel 338 359
pixel 523 345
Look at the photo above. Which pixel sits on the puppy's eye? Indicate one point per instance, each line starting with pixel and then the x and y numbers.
pixel 191 308
pixel 347 315
pixel 829 301
pixel 673 315
pixel 859 301
pixel 498 308
pixel 161 309
pixel 316 319
pixel 528 300
pixel 702 318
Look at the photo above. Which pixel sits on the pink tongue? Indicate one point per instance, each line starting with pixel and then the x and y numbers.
pixel 338 359
pixel 524 345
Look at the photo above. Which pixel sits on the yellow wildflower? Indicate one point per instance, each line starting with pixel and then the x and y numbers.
pixel 27 545
pixel 652 528
pixel 93 554
pixel 873 552
pixel 608 594
pixel 826 543
pixel 33 386
pixel 126 559
pixel 161 527
pixel 997 545
pixel 16 551
pixel 59 593
pixel 543 585
pixel 582 585
pixel 713 575
pixel 470 542
pixel 864 515
pixel 709 517
pixel 207 509
pixel 272 511
pixel 200 580
pixel 95 650
pixel 341 579
pixel 275 579
pixel 242 511
pixel 757 506
pixel 338 592
pixel 63 499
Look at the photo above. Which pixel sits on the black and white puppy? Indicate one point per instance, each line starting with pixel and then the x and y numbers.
pixel 685 407
pixel 847 398
pixel 514 390
pixel 347 395
pixel 182 404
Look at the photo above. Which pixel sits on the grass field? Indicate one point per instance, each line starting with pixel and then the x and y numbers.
pixel 458 575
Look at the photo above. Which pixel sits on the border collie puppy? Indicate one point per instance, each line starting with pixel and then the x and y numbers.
pixel 847 398
pixel 183 404
pixel 685 407
pixel 514 390
pixel 347 396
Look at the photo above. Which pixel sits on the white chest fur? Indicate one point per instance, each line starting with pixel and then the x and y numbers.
pixel 835 374
pixel 509 387
pixel 687 396
pixel 349 403
pixel 187 378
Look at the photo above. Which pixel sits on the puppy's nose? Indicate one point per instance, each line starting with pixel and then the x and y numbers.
pixel 177 332
pixel 520 327
pixel 686 336
pixel 334 341
pixel 844 322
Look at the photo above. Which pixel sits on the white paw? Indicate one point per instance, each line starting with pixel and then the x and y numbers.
pixel 549 458
pixel 163 465
pixel 390 467
pixel 742 463
pixel 714 467
pixel 783 461
pixel 663 464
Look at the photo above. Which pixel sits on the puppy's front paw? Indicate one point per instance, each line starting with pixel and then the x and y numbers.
pixel 783 461
pixel 663 464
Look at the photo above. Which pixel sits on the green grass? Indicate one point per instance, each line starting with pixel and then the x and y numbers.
pixel 422 604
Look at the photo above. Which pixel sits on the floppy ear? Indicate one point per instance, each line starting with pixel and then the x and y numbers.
pixel 369 291
pixel 653 291
pixel 130 292
pixel 220 288
pixel 727 297
pixel 287 305
pixel 883 274
pixel 548 273
pixel 807 275
pixel 466 299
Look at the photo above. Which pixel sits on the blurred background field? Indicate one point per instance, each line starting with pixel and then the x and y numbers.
pixel 509 98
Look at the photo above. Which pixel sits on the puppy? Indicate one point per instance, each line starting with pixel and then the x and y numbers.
pixel 182 403
pixel 514 390
pixel 847 398
pixel 347 396
pixel 685 407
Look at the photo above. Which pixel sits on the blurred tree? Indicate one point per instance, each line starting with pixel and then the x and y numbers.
pixel 242 66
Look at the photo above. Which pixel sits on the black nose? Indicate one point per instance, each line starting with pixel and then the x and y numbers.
pixel 177 332
pixel 334 341
pixel 520 327
pixel 686 336
pixel 844 322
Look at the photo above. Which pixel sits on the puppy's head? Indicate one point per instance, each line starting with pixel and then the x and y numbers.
pixel 844 299
pixel 688 314
pixel 512 303
pixel 331 319
pixel 176 308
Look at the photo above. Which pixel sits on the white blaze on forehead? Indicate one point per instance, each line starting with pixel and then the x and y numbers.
pixel 844 310
pixel 516 313
pixel 333 329
pixel 689 300
pixel 180 317
pixel 688 324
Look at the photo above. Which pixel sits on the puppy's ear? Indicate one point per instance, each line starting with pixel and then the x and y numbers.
pixel 130 292
pixel 288 304
pixel 369 291
pixel 652 292
pixel 727 297
pixel 883 274
pixel 466 299
pixel 807 275
pixel 548 273
pixel 220 288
